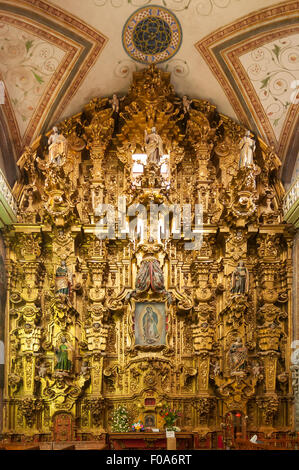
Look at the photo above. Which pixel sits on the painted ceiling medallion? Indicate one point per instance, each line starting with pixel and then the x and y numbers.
pixel 152 34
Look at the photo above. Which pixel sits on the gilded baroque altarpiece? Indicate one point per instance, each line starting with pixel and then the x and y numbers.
pixel 97 321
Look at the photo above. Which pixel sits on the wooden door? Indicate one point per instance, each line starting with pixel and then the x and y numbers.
pixel 63 427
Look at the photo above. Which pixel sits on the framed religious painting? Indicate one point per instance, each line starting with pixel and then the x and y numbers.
pixel 150 324
pixel 150 421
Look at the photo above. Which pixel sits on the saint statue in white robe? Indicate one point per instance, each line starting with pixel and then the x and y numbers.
pixel 153 146
pixel 247 146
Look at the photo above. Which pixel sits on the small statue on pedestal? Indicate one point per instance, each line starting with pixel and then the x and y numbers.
pixel 240 279
pixel 57 146
pixel 247 146
pixel 153 146
pixel 63 362
pixel 62 279
pixel 237 356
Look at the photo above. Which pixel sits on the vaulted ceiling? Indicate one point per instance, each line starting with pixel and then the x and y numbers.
pixel 242 56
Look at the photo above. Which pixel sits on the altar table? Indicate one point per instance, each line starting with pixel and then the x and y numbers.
pixel 148 440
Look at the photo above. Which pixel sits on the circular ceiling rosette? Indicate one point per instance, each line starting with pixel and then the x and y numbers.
pixel 152 35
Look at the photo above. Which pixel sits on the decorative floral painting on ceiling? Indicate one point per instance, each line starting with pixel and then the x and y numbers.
pixel 256 61
pixel 45 54
pixel 27 65
pixel 201 7
pixel 272 69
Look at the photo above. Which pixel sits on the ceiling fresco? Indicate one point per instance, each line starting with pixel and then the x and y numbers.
pixel 256 60
pixel 56 55
pixel 44 56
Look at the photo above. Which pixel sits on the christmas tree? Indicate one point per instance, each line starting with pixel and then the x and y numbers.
pixel 120 419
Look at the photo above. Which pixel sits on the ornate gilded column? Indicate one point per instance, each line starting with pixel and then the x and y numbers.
pixel 203 153
pixel 96 328
pixel 24 329
pixel 271 330
pixel 203 331
pixel 98 134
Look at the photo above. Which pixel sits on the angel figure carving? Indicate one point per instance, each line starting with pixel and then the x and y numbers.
pixel 186 104
pixel 115 102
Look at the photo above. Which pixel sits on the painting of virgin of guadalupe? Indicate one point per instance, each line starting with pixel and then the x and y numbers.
pixel 150 324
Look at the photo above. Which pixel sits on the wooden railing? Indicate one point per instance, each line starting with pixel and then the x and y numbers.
pixel 93 445
pixel 267 444
pixel 19 447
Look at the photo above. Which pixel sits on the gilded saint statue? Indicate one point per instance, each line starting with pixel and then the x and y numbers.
pixel 62 279
pixel 153 146
pixel 150 326
pixel 247 146
pixel 63 361
pixel 240 279
pixel 237 356
pixel 57 146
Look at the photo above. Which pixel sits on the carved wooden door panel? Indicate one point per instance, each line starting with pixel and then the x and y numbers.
pixel 63 427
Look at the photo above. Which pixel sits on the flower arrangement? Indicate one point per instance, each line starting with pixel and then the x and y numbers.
pixel 120 419
pixel 138 426
pixel 170 416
